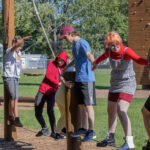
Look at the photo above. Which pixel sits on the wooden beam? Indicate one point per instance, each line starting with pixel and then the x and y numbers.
pixel 10 132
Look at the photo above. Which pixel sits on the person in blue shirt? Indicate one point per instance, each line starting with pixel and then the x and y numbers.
pixel 84 78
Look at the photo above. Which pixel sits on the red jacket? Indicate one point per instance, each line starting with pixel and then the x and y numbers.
pixel 129 54
pixel 51 80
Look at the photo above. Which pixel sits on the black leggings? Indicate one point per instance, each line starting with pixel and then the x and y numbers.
pixel 40 100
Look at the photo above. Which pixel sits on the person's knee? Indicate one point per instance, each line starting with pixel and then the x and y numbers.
pixel 121 112
pixel 38 112
pixel 50 112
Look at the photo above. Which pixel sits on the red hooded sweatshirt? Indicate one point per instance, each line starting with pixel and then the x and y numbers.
pixel 50 82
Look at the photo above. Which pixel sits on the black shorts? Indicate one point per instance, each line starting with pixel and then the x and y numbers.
pixel 147 104
pixel 85 92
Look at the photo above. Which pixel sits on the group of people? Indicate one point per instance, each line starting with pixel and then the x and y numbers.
pixel 122 87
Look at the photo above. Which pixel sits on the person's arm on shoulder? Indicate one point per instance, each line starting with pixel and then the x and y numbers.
pixel 131 54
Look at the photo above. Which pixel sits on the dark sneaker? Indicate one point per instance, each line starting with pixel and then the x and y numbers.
pixel 59 136
pixel 44 131
pixel 63 131
pixel 109 141
pixel 90 135
pixel 80 132
pixel 147 147
pixel 53 135
pixel 17 122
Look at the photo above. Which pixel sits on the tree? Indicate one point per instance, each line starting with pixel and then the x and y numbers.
pixel 92 18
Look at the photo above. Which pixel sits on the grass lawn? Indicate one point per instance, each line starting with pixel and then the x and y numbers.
pixel 140 136
pixel 28 85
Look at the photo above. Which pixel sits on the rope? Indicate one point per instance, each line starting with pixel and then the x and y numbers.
pixel 37 13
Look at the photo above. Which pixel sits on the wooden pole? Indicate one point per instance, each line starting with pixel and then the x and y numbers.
pixel 72 118
pixel 10 132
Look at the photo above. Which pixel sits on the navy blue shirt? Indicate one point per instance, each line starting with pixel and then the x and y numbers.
pixel 82 64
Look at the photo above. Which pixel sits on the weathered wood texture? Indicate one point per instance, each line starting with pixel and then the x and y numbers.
pixel 72 118
pixel 10 132
pixel 139 36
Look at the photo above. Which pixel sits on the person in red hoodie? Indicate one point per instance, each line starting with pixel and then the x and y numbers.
pixel 122 87
pixel 46 93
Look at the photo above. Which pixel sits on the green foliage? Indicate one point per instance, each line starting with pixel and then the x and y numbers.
pixel 100 17
pixel 91 18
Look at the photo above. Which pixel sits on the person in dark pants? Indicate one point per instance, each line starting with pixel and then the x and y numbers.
pixel 47 92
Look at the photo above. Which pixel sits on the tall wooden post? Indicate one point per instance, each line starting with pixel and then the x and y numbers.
pixel 72 115
pixel 8 22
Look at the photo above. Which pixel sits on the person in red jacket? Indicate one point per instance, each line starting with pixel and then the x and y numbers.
pixel 122 87
pixel 47 92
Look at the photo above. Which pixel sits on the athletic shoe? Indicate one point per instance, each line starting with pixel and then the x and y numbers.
pixel 80 132
pixel 17 122
pixel 147 147
pixel 109 141
pixel 44 131
pixel 125 146
pixel 63 131
pixel 59 136
pixel 90 135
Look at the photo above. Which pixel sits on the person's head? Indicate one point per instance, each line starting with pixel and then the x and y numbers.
pixel 60 62
pixel 18 42
pixel 68 33
pixel 61 59
pixel 113 41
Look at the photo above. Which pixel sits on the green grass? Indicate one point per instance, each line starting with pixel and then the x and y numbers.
pixel 139 133
pixel 28 85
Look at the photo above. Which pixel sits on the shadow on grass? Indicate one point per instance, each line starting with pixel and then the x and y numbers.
pixel 30 84
pixel 102 87
pixel 16 145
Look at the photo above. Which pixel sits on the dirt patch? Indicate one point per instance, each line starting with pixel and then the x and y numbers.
pixel 27 141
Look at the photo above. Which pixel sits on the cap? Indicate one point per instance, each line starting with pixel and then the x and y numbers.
pixel 65 30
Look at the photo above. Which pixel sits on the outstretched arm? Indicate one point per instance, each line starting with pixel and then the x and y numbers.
pixel 90 56
pixel 27 37
pixel 131 54
pixel 20 43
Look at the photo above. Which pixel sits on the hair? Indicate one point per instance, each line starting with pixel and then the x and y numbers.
pixel 16 38
pixel 74 33
pixel 113 36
